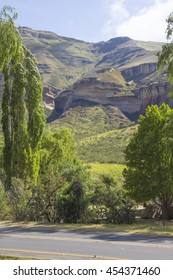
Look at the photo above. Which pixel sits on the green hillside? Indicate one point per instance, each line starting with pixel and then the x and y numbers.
pixel 105 147
pixel 92 120
pixel 101 133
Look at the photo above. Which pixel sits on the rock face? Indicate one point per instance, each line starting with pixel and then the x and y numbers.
pixel 99 92
pixel 138 72
pixel 48 98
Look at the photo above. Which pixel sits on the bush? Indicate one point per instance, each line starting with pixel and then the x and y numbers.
pixel 72 203
pixel 109 203
pixel 19 200
pixel 60 195
pixel 4 205
pixel 45 196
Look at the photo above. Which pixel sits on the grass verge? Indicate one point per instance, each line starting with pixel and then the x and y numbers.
pixel 141 226
pixel 13 258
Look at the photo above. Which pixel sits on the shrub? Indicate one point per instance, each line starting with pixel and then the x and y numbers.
pixel 72 203
pixel 109 203
pixel 4 205
pixel 19 200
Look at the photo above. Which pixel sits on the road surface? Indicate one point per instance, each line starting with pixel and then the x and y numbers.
pixel 44 243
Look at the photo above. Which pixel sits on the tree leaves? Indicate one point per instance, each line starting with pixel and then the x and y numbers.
pixel 149 169
pixel 23 117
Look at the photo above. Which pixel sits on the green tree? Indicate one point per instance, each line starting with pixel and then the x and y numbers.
pixel 11 42
pixel 72 201
pixel 148 175
pixel 108 203
pixel 23 118
pixel 57 149
pixel 165 57
pixel 4 204
pixel 61 190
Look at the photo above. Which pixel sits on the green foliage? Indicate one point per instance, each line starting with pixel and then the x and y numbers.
pixel 109 204
pixel 66 192
pixel 4 205
pixel 98 170
pixel 72 202
pixel 165 57
pixel 36 116
pixel 6 124
pixel 45 195
pixel 23 117
pixel 148 173
pixel 60 196
pixel 19 198
pixel 57 149
pixel 105 147
pixel 11 42
pixel 56 197
pixel 17 132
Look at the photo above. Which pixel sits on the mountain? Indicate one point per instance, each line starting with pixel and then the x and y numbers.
pixel 120 72
pixel 125 75
pixel 96 88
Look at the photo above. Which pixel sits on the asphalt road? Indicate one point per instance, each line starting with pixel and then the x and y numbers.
pixel 62 244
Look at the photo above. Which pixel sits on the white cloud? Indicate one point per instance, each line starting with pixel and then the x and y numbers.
pixel 117 15
pixel 148 24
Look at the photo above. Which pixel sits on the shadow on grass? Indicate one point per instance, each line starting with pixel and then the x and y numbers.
pixel 120 233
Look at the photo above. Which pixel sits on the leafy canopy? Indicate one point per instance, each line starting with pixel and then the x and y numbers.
pixel 148 175
pixel 23 117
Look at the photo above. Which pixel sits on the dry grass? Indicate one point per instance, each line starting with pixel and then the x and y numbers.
pixel 151 227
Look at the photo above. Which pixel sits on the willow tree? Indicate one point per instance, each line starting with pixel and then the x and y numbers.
pixel 23 117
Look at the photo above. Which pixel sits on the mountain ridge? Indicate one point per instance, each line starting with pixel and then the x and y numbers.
pixel 119 72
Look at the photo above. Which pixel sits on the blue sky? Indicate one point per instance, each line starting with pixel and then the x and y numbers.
pixel 95 20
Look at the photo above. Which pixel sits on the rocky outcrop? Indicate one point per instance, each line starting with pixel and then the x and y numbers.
pixel 63 101
pixel 155 93
pixel 25 31
pixel 48 99
pixel 98 92
pixel 139 72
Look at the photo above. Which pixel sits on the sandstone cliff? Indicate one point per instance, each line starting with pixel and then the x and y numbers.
pixel 131 98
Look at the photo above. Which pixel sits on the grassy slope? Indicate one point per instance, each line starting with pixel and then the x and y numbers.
pixel 62 60
pixel 102 133
pixel 97 133
pixel 106 147
pixel 90 121
pixel 115 170
pixel 111 75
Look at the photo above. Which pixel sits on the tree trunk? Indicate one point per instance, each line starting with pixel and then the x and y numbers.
pixel 164 208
